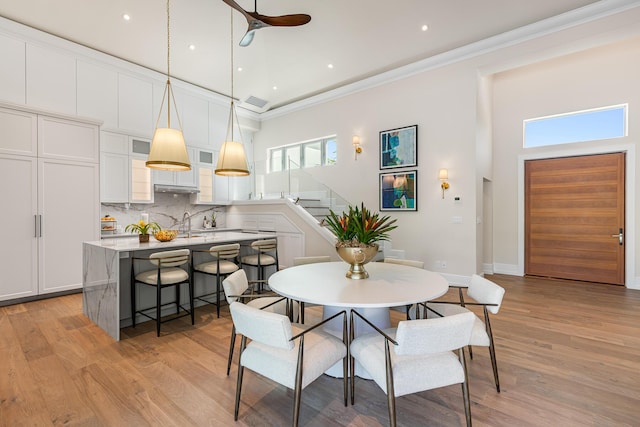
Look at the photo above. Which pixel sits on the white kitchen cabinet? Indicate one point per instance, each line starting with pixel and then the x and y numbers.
pixel 70 208
pixel 114 167
pixel 19 254
pixel 114 178
pixel 135 107
pixel 51 79
pixel 140 176
pixel 54 204
pixel 202 164
pixel 186 178
pixel 68 140
pixel 12 83
pixel 98 93
pixel 19 132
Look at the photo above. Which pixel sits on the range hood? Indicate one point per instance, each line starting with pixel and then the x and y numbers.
pixel 175 189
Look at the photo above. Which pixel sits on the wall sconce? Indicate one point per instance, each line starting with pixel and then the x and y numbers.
pixel 356 146
pixel 443 175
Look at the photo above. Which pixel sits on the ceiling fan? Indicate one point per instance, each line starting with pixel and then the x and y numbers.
pixel 257 21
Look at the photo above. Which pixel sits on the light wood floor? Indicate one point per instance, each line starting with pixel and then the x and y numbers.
pixel 568 355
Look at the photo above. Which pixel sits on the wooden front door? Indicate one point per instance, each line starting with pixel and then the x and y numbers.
pixel 574 218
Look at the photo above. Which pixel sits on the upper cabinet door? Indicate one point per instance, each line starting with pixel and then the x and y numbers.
pixel 195 121
pixel 19 131
pixel 12 83
pixel 134 105
pixel 98 94
pixel 68 140
pixel 51 80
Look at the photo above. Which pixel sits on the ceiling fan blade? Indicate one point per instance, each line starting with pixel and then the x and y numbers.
pixel 237 7
pixel 248 38
pixel 283 20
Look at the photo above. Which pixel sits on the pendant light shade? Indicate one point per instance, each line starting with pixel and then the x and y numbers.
pixel 168 149
pixel 232 160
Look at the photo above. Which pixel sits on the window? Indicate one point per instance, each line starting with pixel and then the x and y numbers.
pixel 308 154
pixel 579 126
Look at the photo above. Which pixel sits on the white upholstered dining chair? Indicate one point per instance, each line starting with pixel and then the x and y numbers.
pixel 410 310
pixel 486 294
pixel 238 288
pixel 289 354
pixel 415 356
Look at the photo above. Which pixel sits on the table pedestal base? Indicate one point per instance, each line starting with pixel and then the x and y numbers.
pixel 377 316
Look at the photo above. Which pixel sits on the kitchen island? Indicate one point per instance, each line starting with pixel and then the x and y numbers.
pixel 106 273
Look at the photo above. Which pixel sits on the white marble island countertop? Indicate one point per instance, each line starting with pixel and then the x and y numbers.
pixel 126 244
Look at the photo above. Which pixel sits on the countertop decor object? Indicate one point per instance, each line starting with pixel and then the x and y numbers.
pixel 165 235
pixel 358 232
pixel 143 228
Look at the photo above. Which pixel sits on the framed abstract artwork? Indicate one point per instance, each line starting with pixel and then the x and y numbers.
pixel 399 191
pixel 399 148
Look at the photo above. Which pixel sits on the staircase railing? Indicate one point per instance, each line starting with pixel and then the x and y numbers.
pixel 300 186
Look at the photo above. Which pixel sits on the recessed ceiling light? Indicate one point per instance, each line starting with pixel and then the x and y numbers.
pixel 192 47
pixel 275 88
pixel 330 66
pixel 239 69
pixel 425 27
pixel 126 17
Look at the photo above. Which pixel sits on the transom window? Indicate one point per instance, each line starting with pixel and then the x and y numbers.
pixel 307 154
pixel 579 126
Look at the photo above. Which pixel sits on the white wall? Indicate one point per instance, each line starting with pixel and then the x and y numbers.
pixel 463 114
pixel 443 105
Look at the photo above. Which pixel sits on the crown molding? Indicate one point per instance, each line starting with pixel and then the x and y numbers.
pixel 555 24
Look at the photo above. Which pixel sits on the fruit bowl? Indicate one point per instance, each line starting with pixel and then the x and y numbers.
pixel 165 235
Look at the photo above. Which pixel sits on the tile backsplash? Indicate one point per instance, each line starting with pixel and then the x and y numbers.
pixel 167 210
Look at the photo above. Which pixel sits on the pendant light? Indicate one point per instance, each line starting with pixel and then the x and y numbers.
pixel 232 160
pixel 168 149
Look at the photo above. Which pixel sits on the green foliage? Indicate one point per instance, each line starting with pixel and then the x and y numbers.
pixel 359 226
pixel 142 227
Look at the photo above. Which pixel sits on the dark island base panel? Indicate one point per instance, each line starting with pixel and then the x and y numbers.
pixel 106 274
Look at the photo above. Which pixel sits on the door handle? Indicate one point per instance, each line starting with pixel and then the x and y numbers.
pixel 619 236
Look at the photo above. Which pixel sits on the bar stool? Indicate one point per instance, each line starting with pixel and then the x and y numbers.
pixel 223 265
pixel 265 255
pixel 168 272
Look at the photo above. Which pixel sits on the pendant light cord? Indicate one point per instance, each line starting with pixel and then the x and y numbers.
pixel 233 109
pixel 169 65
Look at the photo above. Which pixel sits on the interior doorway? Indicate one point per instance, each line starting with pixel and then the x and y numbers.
pixel 575 218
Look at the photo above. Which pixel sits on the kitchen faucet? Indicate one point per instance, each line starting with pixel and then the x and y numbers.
pixel 186 216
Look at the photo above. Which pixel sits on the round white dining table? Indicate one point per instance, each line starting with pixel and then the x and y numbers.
pixel 388 285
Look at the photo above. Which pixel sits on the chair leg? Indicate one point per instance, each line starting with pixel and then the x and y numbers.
pixel 298 385
pixel 301 308
pixel 465 388
pixel 243 343
pixel 218 295
pixel 233 343
pixel 158 307
pixel 193 315
pixel 352 362
pixel 492 351
pixel 391 398
pixel 133 303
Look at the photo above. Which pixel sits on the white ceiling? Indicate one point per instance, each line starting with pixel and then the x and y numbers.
pixel 361 38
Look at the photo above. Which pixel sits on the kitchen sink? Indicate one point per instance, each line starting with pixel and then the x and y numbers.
pixel 187 237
